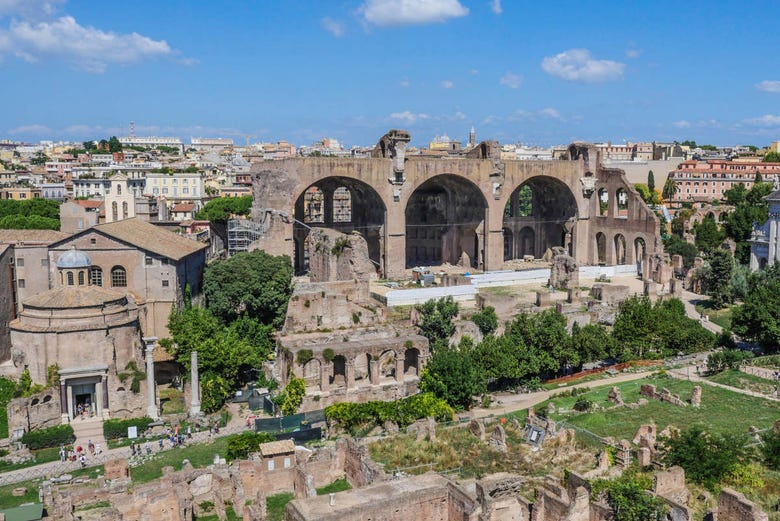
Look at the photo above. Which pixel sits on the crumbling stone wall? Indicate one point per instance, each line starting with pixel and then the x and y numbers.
pixel 37 411
pixel 733 506
pixel 665 395
pixel 360 470
pixel 339 256
pixel 565 272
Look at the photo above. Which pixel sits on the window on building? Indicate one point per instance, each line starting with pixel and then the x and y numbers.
pixel 93 240
pixel 125 214
pixel 115 211
pixel 20 283
pixel 81 278
pixel 185 190
pixel 44 262
pixel 270 464
pixel 155 191
pixel 20 262
pixel 287 463
pixel 96 276
pixel 165 190
pixel 165 283
pixel 149 261
pixel 118 277
pixel 70 278
pixel 164 261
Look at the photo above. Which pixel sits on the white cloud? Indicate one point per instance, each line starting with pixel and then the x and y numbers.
pixel 334 27
pixel 767 120
pixel 459 116
pixel 495 6
pixel 511 80
pixel 474 72
pixel 34 129
pixel 769 86
pixel 85 48
pixel 579 65
pixel 404 83
pixel 34 9
pixel 682 124
pixel 447 84
pixel 388 13
pixel 633 53
pixel 409 117
pixel 550 113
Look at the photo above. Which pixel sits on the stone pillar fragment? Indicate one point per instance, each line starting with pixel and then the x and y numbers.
pixel 151 407
pixel 374 370
pixel 399 368
pixel 195 385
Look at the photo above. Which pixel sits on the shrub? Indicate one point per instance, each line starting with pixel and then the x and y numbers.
pixel 240 445
pixel 328 354
pixel 727 359
pixel 486 320
pixel 115 429
pixel 303 356
pixel 771 449
pixel 292 396
pixel 51 437
pixel 583 404
pixel 352 416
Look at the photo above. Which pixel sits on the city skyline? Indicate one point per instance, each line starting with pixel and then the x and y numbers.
pixel 540 74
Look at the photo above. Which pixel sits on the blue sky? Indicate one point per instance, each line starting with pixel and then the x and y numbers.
pixel 537 72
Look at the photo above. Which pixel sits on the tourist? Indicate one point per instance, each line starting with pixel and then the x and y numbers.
pixel 91 447
pixel 83 460
pixel 132 448
pixel 189 432
pixel 98 448
pixel 161 443
pixel 148 447
pixel 62 453
pixel 216 427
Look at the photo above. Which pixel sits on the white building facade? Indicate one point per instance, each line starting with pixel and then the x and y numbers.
pixel 765 242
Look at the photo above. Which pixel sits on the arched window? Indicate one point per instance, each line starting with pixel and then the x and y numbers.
pixel 70 278
pixel 96 276
pixel 81 278
pixel 118 277
pixel 114 211
pixel 124 210
pixel 118 189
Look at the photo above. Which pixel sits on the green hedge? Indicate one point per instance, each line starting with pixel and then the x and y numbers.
pixel 51 437
pixel 114 429
pixel 403 412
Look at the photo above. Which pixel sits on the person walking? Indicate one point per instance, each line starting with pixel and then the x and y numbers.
pixel 83 460
pixel 62 453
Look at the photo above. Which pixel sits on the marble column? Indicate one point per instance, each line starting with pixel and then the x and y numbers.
pixel 104 387
pixel 374 368
pixel 350 374
pixel 151 408
pixel 195 385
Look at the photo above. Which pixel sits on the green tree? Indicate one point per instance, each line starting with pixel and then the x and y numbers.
pixel 706 457
pixel 718 282
pixel 254 284
pixel 651 181
pixel 708 235
pixel 239 446
pixel 223 208
pixel 89 145
pixel 750 208
pixel 543 346
pixel 644 192
pixel 593 342
pixel 758 318
pixel 758 178
pixel 771 157
pixel 436 321
pixel 669 190
pixel 771 449
pixel 114 145
pixel 674 245
pixel 486 320
pixel 39 158
pixel 451 376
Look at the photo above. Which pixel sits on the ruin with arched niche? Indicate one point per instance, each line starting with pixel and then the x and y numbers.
pixel 476 209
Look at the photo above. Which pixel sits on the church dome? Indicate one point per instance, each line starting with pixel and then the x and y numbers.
pixel 74 259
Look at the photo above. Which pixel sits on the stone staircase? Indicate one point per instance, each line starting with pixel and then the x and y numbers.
pixel 88 429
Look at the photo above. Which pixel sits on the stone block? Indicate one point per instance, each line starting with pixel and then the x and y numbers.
pixel 643 458
pixel 542 298
pixel 498 438
pixel 477 428
pixel 696 396
pixel 117 469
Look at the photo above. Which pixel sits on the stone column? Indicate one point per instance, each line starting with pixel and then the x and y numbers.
pixel 69 394
pixel 151 408
pixel 374 369
pixel 64 404
pixel 194 385
pixel 104 388
pixel 349 371
pixel 399 368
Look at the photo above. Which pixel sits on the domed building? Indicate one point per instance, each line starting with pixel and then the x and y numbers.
pixel 92 336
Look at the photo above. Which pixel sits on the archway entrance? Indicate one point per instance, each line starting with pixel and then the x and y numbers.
pixel 445 219
pixel 539 215
pixel 343 204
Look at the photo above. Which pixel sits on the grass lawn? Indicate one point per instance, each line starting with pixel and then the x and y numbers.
pixel 9 501
pixel 736 378
pixel 275 506
pixel 721 410
pixel 199 455
pixel 41 456
pixel 770 362
pixel 721 317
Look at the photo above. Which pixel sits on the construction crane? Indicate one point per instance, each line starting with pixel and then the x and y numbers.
pixel 247 137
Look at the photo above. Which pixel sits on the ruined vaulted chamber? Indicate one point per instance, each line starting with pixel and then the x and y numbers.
pixel 473 208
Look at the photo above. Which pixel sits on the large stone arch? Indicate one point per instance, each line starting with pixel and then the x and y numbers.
pixel 547 207
pixel 445 218
pixel 344 204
